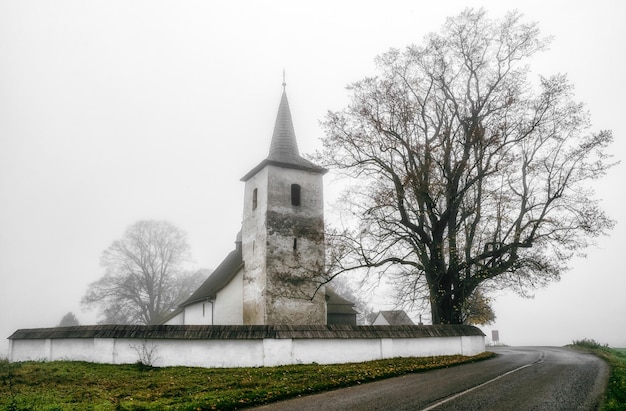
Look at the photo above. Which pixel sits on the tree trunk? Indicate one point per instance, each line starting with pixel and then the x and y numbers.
pixel 443 308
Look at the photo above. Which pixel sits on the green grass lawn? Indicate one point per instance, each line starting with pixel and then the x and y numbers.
pixel 616 390
pixel 61 385
pixel 615 398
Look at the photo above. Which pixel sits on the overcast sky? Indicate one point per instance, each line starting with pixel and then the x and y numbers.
pixel 116 111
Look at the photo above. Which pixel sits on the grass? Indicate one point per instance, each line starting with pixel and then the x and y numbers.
pixel 615 398
pixel 68 385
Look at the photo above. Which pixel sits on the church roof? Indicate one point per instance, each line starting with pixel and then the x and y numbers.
pixel 284 146
pixel 218 278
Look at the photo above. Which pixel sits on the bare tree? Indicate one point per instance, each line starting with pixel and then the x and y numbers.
pixel 145 275
pixel 469 172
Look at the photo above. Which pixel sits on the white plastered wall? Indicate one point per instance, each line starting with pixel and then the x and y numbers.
pixel 240 352
pixel 229 302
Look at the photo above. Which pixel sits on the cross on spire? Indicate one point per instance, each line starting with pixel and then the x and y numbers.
pixel 284 83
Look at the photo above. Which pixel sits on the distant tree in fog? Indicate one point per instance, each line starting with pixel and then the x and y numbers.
pixel 145 277
pixel 69 320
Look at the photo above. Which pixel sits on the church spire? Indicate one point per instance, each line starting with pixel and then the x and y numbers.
pixel 284 146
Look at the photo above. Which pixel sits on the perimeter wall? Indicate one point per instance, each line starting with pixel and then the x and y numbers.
pixel 237 352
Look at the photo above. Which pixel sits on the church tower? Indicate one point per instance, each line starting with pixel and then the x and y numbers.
pixel 283 234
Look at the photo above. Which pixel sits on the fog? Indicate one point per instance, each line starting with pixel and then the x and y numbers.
pixel 116 111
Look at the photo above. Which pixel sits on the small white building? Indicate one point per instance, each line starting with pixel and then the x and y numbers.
pixel 394 317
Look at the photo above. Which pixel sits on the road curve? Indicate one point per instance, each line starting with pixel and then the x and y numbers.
pixel 519 378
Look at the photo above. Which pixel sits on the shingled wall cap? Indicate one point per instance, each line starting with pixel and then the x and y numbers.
pixel 235 332
pixel 284 146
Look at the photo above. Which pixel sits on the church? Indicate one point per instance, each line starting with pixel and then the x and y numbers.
pixel 266 303
pixel 274 276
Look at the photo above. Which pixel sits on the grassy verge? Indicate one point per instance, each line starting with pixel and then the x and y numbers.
pixel 69 385
pixel 615 398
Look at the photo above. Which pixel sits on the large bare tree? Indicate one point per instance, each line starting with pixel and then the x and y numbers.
pixel 469 172
pixel 145 275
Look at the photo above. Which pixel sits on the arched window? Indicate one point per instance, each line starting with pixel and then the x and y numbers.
pixel 254 199
pixel 295 194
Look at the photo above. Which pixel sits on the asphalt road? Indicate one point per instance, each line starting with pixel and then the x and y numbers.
pixel 519 378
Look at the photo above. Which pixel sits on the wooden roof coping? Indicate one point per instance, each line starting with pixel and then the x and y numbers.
pixel 238 332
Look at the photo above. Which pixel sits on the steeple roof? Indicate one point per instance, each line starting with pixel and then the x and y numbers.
pixel 284 146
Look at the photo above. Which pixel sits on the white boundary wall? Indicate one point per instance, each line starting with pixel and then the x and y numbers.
pixel 217 353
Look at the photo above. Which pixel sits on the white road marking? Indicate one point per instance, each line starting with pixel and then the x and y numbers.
pixel 539 361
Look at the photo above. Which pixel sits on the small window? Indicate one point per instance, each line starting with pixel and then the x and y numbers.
pixel 254 199
pixel 295 243
pixel 295 194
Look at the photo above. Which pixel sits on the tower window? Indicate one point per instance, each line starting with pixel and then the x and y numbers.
pixel 295 194
pixel 254 199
